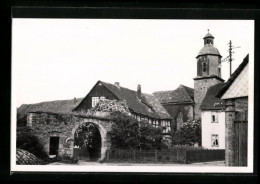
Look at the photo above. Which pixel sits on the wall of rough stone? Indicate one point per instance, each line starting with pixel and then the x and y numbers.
pixel 213 65
pixel 174 109
pixel 45 125
pixel 201 87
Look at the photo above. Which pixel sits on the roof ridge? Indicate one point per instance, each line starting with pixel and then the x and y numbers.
pixel 38 103
pixel 164 91
pixel 119 86
pixel 187 87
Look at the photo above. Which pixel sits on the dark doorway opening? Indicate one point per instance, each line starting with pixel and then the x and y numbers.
pixel 54 145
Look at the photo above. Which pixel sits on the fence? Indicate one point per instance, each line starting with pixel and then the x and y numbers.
pixel 205 155
pixel 174 156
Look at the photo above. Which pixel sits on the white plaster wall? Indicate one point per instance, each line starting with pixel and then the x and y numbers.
pixel 209 128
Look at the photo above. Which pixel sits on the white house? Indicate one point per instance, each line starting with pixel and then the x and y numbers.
pixel 213 119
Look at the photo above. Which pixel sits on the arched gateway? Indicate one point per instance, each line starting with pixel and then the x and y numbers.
pixel 56 131
pixel 103 129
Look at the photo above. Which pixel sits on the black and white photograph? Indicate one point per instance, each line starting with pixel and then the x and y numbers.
pixel 132 95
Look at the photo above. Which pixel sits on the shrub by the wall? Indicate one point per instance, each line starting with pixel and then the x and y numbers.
pixel 27 141
pixel 128 133
pixel 188 134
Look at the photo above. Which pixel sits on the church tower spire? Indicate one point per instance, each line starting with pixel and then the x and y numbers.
pixel 208 39
pixel 208 71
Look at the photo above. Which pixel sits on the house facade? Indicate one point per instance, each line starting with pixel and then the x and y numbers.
pixel 141 105
pixel 235 95
pixel 213 119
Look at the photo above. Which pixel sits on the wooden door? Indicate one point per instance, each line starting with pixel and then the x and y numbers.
pixel 240 139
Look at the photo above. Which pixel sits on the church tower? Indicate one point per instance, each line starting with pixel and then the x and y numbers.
pixel 208 71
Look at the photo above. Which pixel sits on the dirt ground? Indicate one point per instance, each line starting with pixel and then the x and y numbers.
pixel 82 162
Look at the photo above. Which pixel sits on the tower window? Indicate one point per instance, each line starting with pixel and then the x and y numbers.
pixel 204 67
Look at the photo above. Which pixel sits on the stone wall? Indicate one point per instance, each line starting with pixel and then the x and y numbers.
pixel 45 125
pixel 201 87
pixel 174 109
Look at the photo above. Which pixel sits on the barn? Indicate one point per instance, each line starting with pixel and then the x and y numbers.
pixel 235 95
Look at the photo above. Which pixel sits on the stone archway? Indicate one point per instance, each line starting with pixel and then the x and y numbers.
pixel 105 140
pixel 88 134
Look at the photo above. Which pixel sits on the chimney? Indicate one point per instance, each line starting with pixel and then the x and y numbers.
pixel 117 84
pixel 139 90
pixel 75 100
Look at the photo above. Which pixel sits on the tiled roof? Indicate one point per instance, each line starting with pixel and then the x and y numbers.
pixel 157 106
pixel 232 78
pixel 182 94
pixel 147 105
pixel 211 102
pixel 59 106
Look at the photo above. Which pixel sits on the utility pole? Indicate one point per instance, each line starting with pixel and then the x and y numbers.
pixel 230 56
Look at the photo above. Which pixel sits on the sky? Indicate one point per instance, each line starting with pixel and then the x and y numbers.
pixel 58 59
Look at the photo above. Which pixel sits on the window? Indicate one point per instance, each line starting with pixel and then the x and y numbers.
pixel 204 67
pixel 166 126
pixel 214 140
pixel 155 123
pixel 214 117
pixel 95 101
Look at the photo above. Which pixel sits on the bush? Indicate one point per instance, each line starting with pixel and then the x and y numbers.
pixel 128 133
pixel 27 141
pixel 21 120
pixel 110 106
pixel 188 134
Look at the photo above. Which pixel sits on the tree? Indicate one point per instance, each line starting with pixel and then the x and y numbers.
pixel 128 133
pixel 188 134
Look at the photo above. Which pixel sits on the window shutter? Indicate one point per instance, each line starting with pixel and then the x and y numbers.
pixel 199 66
pixel 207 66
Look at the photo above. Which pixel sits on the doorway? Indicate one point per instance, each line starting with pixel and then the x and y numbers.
pixel 54 145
